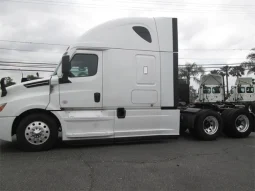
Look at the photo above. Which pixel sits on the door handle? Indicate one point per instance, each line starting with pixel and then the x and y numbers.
pixel 121 113
pixel 97 97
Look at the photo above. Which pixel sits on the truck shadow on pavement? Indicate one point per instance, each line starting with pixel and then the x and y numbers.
pixel 12 147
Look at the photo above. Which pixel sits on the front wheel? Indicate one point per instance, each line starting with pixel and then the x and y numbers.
pixel 37 132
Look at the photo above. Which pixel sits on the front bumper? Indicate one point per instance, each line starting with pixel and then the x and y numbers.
pixel 6 128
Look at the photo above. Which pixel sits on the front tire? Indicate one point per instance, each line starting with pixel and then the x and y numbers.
pixel 37 132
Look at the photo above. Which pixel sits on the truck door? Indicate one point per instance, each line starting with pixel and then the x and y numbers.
pixel 81 99
pixel 85 87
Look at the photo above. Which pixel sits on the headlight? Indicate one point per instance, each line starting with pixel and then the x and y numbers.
pixel 2 106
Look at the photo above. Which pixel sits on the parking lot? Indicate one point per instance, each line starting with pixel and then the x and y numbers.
pixel 183 164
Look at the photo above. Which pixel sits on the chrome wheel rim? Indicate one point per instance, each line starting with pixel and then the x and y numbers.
pixel 37 133
pixel 242 123
pixel 210 125
pixel 250 108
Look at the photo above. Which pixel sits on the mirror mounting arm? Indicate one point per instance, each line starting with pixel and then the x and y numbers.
pixel 3 88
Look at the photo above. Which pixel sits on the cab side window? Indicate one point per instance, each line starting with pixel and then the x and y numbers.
pixel 84 65
pixel 207 90
pixel 250 90
pixel 241 90
pixel 216 90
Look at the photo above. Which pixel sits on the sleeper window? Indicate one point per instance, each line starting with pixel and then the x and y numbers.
pixel 84 65
pixel 143 33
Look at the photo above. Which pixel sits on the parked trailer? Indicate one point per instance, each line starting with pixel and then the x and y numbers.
pixel 119 81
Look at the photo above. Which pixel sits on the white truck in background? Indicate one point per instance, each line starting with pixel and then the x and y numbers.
pixel 211 89
pixel 119 81
pixel 243 91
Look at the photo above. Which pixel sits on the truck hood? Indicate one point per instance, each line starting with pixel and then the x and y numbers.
pixel 25 88
pixel 34 93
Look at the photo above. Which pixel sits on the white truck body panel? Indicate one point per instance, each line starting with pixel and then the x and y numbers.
pixel 123 74
pixel 118 34
pixel 132 73
pixel 165 34
pixel 167 81
pixel 20 99
pixel 147 123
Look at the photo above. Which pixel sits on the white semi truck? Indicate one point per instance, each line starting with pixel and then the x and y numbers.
pixel 119 81
pixel 211 89
pixel 243 91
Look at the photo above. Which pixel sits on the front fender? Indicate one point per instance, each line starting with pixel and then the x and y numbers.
pixel 21 101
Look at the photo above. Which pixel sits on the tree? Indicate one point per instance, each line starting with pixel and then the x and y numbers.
pixel 192 94
pixel 9 81
pixel 191 70
pixel 214 71
pixel 225 70
pixel 237 71
pixel 32 77
pixel 250 64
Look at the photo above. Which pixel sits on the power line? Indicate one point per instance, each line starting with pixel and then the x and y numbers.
pixel 28 70
pixel 39 43
pixel 178 3
pixel 38 63
pixel 191 3
pixel 216 49
pixel 7 65
pixel 163 2
pixel 22 50
pixel 211 58
pixel 210 64
pixel 25 61
pixel 136 2
pixel 125 7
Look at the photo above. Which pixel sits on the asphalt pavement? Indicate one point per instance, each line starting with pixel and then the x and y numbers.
pixel 176 164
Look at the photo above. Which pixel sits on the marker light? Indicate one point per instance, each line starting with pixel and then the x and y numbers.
pixel 2 106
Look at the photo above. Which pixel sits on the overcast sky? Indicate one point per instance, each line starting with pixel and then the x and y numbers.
pixel 212 26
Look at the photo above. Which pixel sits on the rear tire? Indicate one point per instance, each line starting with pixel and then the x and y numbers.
pixel 238 123
pixel 208 125
pixel 37 132
pixel 225 113
pixel 251 108
pixel 183 129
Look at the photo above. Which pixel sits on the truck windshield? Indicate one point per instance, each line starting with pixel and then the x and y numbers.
pixel 56 70
pixel 250 90
pixel 216 90
pixel 207 90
